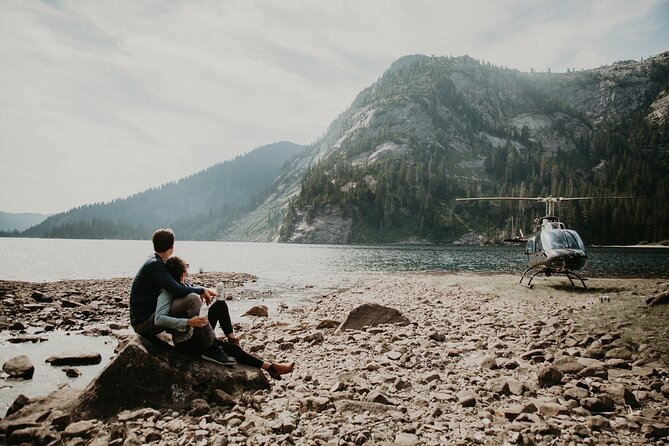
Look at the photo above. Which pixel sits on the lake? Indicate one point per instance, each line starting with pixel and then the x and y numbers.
pixel 56 259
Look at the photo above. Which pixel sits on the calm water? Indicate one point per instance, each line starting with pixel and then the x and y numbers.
pixel 295 265
pixel 293 273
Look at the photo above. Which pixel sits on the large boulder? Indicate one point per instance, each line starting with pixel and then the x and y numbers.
pixel 142 375
pixel 145 375
pixel 371 315
pixel 19 367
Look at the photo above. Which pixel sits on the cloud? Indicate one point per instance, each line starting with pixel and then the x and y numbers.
pixel 100 100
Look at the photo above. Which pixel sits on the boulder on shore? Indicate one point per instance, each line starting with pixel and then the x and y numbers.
pixel 19 367
pixel 144 375
pixel 258 311
pixel 371 315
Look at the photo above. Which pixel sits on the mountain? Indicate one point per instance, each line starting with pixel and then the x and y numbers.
pixel 435 128
pixel 199 206
pixel 431 129
pixel 19 222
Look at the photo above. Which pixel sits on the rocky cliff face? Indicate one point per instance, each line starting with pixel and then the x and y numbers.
pixel 465 111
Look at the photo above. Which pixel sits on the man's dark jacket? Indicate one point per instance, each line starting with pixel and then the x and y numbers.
pixel 151 279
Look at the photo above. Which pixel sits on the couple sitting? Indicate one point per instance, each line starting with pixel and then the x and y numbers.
pixel 161 300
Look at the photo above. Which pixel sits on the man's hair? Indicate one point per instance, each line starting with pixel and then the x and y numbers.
pixel 176 266
pixel 163 239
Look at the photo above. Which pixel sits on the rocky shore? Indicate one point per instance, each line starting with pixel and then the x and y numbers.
pixel 468 359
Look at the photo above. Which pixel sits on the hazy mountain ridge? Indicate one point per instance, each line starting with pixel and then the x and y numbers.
pixel 199 206
pixel 19 221
pixel 459 114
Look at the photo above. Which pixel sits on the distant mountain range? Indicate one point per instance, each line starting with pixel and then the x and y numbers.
pixel 199 206
pixel 19 222
pixel 431 129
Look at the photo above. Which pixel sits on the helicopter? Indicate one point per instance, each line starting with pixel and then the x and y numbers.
pixel 552 249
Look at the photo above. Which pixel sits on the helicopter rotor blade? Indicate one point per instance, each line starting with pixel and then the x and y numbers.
pixel 499 198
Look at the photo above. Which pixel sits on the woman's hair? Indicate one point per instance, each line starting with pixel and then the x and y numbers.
pixel 176 266
pixel 163 239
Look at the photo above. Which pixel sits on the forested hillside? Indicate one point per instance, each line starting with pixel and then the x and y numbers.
pixel 433 129
pixel 199 206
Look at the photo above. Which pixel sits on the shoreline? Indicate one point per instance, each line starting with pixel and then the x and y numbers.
pixel 464 370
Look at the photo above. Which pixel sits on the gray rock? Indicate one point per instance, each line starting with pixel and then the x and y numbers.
pixel 575 393
pixel 598 423
pixel 19 367
pixel 315 404
pixel 258 311
pixel 467 398
pixel 406 439
pixel 144 375
pixel 655 430
pixel 489 363
pixel 72 372
pixel 513 412
pixel 622 396
pixel 623 353
pixel 81 429
pixel 438 337
pixel 19 403
pixel 593 372
pixel 600 403
pixel 327 323
pixel 550 409
pixel 568 364
pixel 665 390
pixel 594 353
pixel 376 396
pixel 223 398
pixel 139 414
pixel 74 359
pixel 372 315
pixel 549 376
pixel 199 407
pixel 581 430
pixel 33 435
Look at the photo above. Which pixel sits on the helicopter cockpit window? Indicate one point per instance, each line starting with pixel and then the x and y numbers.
pixel 573 240
pixel 554 239
pixel 563 239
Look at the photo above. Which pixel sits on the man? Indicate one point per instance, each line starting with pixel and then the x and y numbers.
pixel 151 279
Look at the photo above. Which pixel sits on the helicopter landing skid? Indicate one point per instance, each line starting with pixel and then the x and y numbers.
pixel 549 272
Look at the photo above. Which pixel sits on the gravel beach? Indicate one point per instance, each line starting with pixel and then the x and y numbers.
pixel 481 360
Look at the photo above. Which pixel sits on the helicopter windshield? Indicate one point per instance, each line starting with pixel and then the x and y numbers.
pixel 561 239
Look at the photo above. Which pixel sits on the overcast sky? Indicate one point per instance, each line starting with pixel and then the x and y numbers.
pixel 102 99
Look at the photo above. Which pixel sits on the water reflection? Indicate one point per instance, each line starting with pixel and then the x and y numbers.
pixel 47 378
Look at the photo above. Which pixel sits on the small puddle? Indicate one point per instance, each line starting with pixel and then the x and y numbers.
pixel 48 378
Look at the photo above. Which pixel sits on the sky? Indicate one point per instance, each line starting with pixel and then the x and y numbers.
pixel 103 99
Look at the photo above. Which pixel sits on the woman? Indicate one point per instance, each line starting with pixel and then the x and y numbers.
pixel 218 313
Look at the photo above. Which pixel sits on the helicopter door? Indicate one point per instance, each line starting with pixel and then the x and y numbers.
pixel 534 252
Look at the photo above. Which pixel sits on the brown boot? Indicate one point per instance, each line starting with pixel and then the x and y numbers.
pixel 276 370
